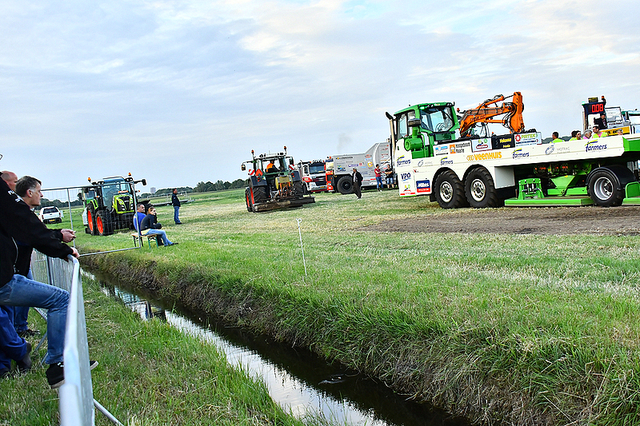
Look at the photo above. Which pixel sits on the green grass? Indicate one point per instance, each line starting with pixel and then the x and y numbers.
pixel 149 374
pixel 528 329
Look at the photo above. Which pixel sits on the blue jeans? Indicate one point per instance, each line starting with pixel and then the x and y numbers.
pixel 176 214
pixel 160 232
pixel 21 314
pixel 378 182
pixel 21 291
pixel 11 345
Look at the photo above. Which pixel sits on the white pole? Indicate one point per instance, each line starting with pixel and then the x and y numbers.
pixel 304 262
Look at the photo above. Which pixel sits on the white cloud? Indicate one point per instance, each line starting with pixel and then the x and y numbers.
pixel 186 82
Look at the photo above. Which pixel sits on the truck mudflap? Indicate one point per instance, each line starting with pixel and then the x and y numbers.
pixel 272 205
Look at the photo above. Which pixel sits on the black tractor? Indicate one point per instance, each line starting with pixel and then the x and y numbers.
pixel 274 183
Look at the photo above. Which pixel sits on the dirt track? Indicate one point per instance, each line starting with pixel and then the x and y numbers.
pixel 591 220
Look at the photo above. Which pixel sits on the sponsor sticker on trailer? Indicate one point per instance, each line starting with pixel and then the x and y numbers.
pixel 446 161
pixel 405 176
pixel 423 186
pixel 519 153
pixel 460 147
pixel 441 149
pixel 403 161
pixel 482 144
pixel 595 145
pixel 532 138
pixel 504 141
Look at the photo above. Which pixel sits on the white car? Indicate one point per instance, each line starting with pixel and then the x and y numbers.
pixel 51 215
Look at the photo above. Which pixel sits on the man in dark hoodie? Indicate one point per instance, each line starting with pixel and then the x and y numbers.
pixel 18 223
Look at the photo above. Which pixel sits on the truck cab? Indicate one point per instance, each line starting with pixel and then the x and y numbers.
pixel 423 126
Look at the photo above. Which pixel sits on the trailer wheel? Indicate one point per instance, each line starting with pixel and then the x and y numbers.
pixel 449 191
pixel 606 185
pixel 104 226
pixel 480 189
pixel 247 196
pixel 345 185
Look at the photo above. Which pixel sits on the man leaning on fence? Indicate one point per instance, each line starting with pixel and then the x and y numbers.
pixel 17 222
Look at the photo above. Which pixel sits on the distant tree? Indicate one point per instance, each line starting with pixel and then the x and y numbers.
pixel 204 187
pixel 239 183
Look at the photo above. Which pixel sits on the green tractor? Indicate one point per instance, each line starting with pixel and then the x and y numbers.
pixel 110 204
pixel 274 183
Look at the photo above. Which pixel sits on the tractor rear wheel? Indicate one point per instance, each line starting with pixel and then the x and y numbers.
pixel 247 197
pixel 345 185
pixel 259 194
pixel 104 225
pixel 299 189
pixel 91 220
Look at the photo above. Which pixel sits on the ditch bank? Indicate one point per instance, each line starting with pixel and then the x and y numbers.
pixel 421 364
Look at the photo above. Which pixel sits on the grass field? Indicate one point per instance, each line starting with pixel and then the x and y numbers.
pixel 523 329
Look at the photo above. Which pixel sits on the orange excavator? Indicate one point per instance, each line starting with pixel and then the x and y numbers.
pixel 485 113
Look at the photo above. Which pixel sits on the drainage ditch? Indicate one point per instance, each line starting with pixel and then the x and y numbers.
pixel 297 379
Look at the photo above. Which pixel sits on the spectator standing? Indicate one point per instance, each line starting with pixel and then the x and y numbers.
pixel 389 174
pixel 175 202
pixel 596 132
pixel 29 189
pixel 601 122
pixel 12 345
pixel 378 174
pixel 17 222
pixel 555 138
pixel 357 183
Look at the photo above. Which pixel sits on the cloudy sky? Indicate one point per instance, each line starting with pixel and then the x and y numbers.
pixel 180 92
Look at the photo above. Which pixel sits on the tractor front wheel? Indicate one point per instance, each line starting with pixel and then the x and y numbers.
pixel 104 226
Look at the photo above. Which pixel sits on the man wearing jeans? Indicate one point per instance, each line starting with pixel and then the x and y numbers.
pixel 175 202
pixel 17 222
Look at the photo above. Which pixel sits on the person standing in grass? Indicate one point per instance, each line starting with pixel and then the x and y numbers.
pixel 175 202
pixel 357 183
pixel 17 222
pixel 389 174
pixel 378 174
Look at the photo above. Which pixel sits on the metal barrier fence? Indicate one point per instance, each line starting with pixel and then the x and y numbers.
pixel 76 394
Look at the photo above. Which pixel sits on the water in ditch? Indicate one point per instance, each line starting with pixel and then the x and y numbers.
pixel 297 379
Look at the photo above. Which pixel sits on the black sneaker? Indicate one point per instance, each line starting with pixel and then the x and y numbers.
pixel 28 333
pixel 55 373
pixel 5 374
pixel 24 364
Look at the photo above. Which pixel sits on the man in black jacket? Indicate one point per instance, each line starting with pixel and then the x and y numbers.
pixel 357 182
pixel 175 202
pixel 17 222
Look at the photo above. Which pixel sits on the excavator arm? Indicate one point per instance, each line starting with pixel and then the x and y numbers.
pixel 485 113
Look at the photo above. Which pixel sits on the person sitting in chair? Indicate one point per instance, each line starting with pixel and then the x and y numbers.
pixel 150 225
